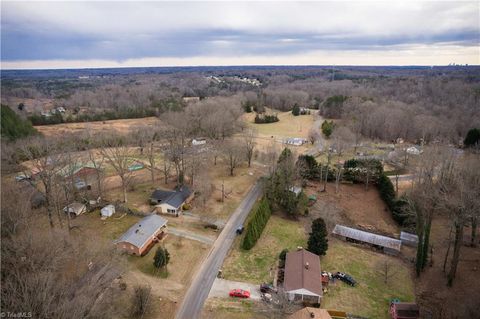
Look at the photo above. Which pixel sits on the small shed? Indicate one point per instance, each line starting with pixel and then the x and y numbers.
pixel 75 209
pixel 388 245
pixel 409 239
pixel 107 211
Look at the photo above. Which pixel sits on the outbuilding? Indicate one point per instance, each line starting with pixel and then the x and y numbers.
pixel 107 211
pixel 303 280
pixel 75 209
pixel 409 239
pixel 143 235
pixel 388 245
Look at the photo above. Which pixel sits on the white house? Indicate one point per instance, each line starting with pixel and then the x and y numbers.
pixel 199 141
pixel 414 151
pixel 297 141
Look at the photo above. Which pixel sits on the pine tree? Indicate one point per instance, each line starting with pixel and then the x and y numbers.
pixel 318 242
pixel 161 258
pixel 296 110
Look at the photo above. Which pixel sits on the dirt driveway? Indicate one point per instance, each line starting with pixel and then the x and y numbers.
pixel 222 287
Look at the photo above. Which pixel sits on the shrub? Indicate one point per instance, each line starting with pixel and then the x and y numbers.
pixel 187 207
pixel 282 256
pixel 257 223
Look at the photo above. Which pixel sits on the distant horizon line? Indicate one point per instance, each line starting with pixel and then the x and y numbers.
pixel 242 65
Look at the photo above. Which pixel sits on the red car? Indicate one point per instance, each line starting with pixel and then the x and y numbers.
pixel 240 293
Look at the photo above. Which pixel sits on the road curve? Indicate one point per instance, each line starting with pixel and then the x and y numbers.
pixel 202 282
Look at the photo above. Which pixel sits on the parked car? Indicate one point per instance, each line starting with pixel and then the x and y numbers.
pixel 240 293
pixel 239 230
pixel 264 288
pixel 80 185
pixel 22 177
pixel 345 278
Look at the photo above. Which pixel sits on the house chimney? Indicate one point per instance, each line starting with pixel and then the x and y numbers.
pixel 306 265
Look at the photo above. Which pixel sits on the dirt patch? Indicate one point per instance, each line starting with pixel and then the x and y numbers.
pixel 354 206
pixel 463 299
pixel 121 126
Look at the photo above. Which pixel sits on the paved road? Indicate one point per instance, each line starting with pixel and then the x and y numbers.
pixel 222 287
pixel 191 235
pixel 196 295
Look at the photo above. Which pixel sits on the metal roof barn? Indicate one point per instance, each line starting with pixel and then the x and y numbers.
pixel 370 238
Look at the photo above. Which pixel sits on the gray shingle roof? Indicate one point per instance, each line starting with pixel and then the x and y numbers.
pixel 367 237
pixel 139 233
pixel 174 198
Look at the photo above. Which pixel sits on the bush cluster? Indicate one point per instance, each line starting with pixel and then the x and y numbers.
pixel 262 119
pixel 310 169
pixel 257 223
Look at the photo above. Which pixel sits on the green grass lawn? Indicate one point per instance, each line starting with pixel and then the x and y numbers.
pixel 254 265
pixel 371 296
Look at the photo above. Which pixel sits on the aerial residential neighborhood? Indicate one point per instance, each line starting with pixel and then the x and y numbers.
pixel 241 160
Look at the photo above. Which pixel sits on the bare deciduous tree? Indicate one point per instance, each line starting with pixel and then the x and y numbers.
pixel 119 155
pixel 249 136
pixel 232 153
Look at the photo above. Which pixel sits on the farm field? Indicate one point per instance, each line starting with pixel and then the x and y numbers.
pixel 288 126
pixel 120 126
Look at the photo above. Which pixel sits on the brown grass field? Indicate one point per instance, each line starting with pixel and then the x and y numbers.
pixel 120 126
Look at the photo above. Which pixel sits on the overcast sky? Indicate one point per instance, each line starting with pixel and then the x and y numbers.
pixel 111 34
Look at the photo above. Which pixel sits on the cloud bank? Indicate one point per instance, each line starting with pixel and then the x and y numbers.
pixel 95 34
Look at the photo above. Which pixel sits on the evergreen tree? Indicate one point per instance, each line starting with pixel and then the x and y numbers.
pixel 161 258
pixel 296 110
pixel 473 138
pixel 13 126
pixel 318 242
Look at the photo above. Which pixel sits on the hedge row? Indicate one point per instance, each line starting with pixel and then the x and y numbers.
pixel 257 223
pixel 396 206
pixel 266 119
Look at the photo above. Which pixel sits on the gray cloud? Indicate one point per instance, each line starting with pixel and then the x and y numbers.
pixel 126 30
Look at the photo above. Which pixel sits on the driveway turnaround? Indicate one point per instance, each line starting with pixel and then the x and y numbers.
pixel 222 287
pixel 196 295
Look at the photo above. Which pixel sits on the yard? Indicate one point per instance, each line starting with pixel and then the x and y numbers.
pixel 257 265
pixel 371 297
pixel 288 126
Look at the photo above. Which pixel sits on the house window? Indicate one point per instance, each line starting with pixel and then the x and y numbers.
pixel 131 247
pixel 171 211
pixel 124 246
